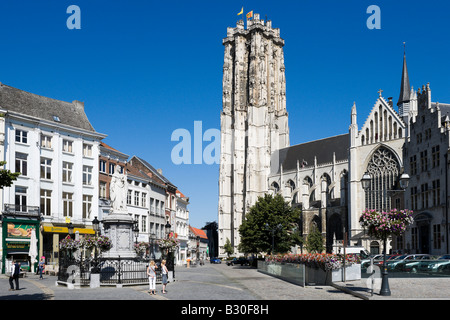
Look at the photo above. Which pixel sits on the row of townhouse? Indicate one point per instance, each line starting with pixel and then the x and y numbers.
pixel 65 173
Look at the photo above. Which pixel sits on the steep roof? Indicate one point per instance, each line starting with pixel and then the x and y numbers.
pixel 36 106
pixel 198 232
pixel 405 89
pixel 154 171
pixel 305 153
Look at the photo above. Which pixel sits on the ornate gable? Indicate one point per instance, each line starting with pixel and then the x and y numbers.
pixel 382 124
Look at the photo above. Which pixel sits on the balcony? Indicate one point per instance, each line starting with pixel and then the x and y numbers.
pixel 21 211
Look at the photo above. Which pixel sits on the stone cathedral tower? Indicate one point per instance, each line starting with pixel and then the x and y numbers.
pixel 254 120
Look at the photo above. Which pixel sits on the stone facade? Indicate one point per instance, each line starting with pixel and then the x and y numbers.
pixel 254 120
pixel 426 160
pixel 323 177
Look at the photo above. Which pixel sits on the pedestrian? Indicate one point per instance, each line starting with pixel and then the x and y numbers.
pixel 164 272
pixel 15 271
pixel 41 268
pixel 151 272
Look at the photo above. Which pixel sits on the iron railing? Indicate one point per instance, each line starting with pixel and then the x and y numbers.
pixel 21 210
pixel 112 271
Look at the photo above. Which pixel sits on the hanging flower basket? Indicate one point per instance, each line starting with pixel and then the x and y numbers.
pixel 89 242
pixel 171 244
pixel 104 243
pixel 381 225
pixel 68 244
pixel 140 248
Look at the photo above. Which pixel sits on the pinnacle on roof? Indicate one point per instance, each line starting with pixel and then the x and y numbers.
pixel 405 89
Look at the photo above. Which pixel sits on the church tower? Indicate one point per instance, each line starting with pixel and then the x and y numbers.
pixel 254 120
pixel 407 101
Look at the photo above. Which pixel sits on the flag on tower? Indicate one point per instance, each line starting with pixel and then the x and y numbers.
pixel 242 11
pixel 250 14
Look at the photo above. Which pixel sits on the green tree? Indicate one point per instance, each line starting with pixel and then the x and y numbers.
pixel 228 248
pixel 6 176
pixel 314 241
pixel 270 219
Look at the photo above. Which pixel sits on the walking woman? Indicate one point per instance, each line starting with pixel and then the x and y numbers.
pixel 164 272
pixel 151 272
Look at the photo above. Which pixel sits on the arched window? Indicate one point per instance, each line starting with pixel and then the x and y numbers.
pixel 291 184
pixel 384 169
pixel 312 195
pixel 374 247
pixel 275 187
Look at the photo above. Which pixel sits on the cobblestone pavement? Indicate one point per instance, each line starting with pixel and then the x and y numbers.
pixel 414 288
pixel 221 282
pixel 208 282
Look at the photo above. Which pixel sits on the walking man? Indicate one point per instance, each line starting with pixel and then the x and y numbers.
pixel 15 271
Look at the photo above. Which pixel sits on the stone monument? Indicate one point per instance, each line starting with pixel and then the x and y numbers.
pixel 118 225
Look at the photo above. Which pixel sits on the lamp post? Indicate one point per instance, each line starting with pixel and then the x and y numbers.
pixel 95 226
pixel 198 250
pixel 70 228
pixel 151 241
pixel 366 181
pixel 167 228
pixel 136 230
pixel 278 227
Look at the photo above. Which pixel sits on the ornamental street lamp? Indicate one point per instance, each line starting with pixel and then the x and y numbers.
pixel 151 241
pixel 70 228
pixel 278 227
pixel 167 228
pixel 95 226
pixel 136 230
pixel 198 249
pixel 366 181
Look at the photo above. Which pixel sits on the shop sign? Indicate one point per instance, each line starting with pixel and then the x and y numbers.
pixel 19 230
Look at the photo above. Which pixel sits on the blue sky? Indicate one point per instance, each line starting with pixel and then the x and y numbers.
pixel 147 68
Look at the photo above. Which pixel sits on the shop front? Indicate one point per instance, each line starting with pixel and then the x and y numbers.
pixel 16 241
pixel 52 234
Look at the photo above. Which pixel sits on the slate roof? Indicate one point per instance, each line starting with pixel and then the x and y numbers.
pixel 36 106
pixel 405 89
pixel 154 171
pixel 445 110
pixel 322 149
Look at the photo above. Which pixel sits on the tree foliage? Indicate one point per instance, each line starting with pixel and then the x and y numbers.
pixel 314 241
pixel 228 248
pixel 270 216
pixel 6 176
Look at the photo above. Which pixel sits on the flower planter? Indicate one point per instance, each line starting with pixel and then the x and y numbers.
pixel 291 272
pixel 320 277
pixel 303 275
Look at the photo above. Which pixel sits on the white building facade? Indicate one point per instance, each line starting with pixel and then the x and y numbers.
pixel 56 149
pixel 182 227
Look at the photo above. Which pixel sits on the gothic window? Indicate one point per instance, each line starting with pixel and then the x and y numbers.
pixel 329 192
pixel 291 185
pixel 275 187
pixel 312 195
pixel 383 167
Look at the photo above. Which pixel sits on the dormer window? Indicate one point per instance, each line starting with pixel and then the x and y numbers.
pixel 56 119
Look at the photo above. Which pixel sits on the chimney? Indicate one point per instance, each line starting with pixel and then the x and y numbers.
pixel 78 104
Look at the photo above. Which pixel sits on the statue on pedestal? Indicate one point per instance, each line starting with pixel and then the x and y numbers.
pixel 118 191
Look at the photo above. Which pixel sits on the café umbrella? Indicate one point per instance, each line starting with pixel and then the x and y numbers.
pixel 32 253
